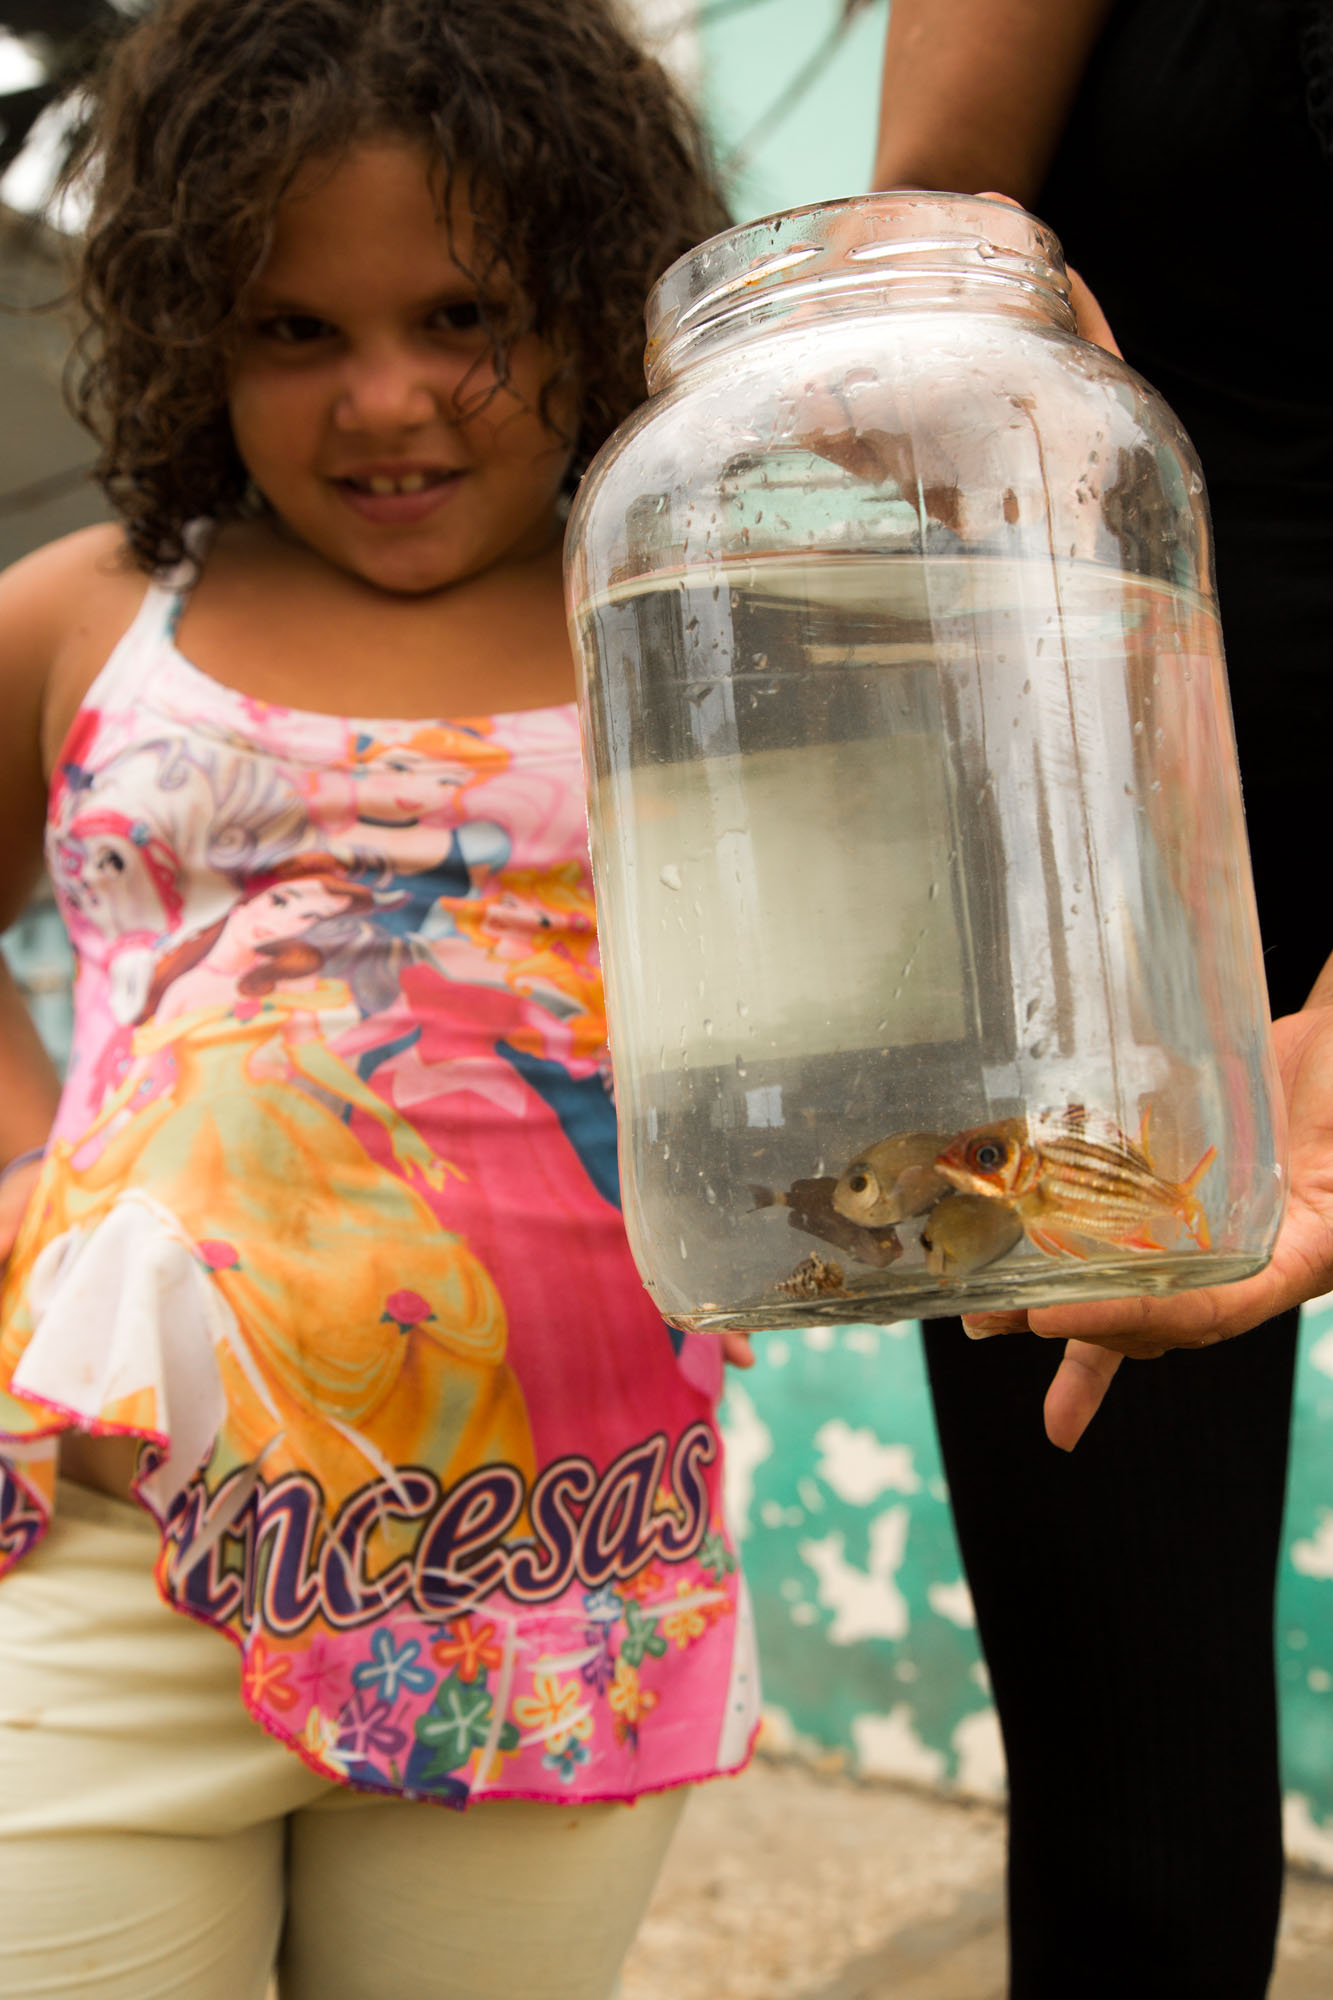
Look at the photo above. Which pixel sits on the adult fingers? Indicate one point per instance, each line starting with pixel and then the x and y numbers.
pixel 1077 1391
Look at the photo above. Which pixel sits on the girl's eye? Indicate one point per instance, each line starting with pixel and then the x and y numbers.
pixel 466 316
pixel 293 329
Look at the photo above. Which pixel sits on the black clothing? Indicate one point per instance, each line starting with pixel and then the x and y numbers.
pixel 1194 196
pixel 1125 1593
pixel 1124 1597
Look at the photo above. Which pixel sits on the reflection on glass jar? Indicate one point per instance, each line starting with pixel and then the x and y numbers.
pixel 932 968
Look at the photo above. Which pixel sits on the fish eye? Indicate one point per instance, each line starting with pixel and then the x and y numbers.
pixel 858 1181
pixel 986 1154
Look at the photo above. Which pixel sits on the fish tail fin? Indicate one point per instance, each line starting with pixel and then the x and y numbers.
pixel 1144 1123
pixel 766 1197
pixel 1191 1208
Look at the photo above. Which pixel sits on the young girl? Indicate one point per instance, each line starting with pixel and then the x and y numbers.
pixel 319 1325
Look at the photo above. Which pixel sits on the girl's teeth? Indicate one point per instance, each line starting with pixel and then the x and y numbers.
pixel 411 482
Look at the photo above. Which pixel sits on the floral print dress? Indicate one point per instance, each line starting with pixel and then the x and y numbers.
pixel 329 1220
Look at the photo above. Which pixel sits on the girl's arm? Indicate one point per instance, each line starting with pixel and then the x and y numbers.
pixel 31 618
pixel 976 92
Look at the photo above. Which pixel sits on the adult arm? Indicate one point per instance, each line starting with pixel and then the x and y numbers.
pixel 976 92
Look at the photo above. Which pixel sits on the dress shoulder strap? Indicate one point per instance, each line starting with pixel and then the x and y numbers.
pixel 153 626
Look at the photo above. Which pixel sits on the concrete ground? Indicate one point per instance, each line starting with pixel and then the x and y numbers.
pixel 785 1884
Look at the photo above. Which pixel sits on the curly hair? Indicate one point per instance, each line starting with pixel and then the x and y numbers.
pixel 591 171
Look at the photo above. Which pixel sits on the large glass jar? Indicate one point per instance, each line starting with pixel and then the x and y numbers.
pixel 933 974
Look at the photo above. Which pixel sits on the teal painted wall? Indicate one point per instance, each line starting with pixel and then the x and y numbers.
pixel 868 1649
pixel 866 1635
pixel 819 146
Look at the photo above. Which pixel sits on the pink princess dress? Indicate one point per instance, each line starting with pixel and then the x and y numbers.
pixel 328 1219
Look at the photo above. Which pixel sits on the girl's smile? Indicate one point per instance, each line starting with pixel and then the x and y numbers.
pixel 366 399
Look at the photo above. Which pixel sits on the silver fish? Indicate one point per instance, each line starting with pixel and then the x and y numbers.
pixel 809 1206
pixel 893 1180
pixel 965 1232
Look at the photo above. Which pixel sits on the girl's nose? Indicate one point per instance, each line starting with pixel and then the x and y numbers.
pixel 389 390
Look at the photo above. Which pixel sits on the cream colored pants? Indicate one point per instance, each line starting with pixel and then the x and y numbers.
pixel 155 1844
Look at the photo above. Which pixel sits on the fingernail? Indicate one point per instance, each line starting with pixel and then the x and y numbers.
pixel 984 1326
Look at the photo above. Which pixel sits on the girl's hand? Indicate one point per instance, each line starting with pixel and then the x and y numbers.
pixel 1301 1269
pixel 736 1348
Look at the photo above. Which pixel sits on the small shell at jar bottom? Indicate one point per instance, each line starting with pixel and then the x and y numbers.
pixel 916 1295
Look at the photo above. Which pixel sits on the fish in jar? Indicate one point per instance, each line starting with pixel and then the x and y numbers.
pixel 1071 1178
pixel 965 1232
pixel 809 1206
pixel 893 1180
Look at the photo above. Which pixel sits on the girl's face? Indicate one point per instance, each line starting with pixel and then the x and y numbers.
pixel 364 395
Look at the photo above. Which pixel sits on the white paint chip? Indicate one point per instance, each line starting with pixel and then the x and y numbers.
pixel 748 1442
pixel 887 1746
pixel 859 1467
pixel 954 1602
pixel 980 1750
pixel 1306 1841
pixel 866 1603
pixel 779 1735
pixel 1315 1557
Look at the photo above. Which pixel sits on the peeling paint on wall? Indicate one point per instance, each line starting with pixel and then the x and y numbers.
pixel 868 1642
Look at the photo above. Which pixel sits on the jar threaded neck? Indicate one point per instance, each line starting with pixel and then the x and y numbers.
pixel 913 248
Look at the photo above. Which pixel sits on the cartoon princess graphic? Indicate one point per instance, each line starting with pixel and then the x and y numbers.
pixel 312 1281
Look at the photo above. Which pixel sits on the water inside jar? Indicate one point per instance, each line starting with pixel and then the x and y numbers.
pixel 918 845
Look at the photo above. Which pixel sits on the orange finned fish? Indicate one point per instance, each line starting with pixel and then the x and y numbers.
pixel 1065 1184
